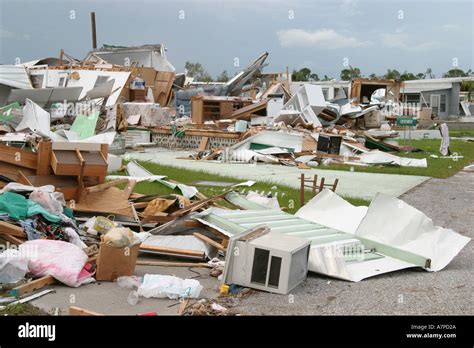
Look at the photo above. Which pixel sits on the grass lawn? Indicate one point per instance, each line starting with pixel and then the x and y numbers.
pixel 287 196
pixel 437 167
pixel 458 133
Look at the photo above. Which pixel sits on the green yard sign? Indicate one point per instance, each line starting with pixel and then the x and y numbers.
pixel 406 121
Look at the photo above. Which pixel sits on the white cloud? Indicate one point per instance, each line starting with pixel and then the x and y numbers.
pixel 405 42
pixel 5 34
pixel 324 38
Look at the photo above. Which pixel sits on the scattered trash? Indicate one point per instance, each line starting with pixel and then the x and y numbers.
pixel 70 213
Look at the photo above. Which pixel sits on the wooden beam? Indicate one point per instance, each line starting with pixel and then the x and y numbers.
pixel 44 158
pixel 32 286
pixel 19 157
pixel 183 305
pixel 203 144
pixel 173 251
pixel 12 230
pixel 198 205
pixel 210 241
pixel 255 234
pixel 73 310
pixel 129 188
pixel 172 264
pixel 12 239
pixel 193 223
pixel 102 187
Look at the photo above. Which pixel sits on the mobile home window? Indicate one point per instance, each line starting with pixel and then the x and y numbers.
pixel 275 267
pixel 260 266
pixel 442 105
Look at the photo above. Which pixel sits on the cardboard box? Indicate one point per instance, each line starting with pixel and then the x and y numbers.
pixel 115 262
pixel 425 114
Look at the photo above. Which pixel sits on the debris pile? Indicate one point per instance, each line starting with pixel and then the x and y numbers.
pixel 68 204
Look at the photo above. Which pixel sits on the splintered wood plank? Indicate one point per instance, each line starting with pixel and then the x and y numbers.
pixel 109 201
pixel 32 286
pixel 174 251
pixel 12 230
pixel 101 187
pixel 172 264
pixel 183 305
pixel 73 310
pixel 19 157
pixel 203 144
pixel 209 241
pixel 44 158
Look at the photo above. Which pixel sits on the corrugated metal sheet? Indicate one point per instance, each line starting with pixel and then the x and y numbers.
pixel 278 221
pixel 15 76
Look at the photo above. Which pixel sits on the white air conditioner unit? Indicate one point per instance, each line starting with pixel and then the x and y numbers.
pixel 266 260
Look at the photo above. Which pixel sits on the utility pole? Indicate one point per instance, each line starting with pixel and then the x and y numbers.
pixel 94 36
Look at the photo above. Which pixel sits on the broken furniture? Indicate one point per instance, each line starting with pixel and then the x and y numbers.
pixel 315 187
pixel 308 102
pixel 58 163
pixel 329 143
pixel 211 108
pixel 266 260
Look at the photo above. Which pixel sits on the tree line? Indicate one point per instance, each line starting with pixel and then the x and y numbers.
pixel 197 71
pixel 347 74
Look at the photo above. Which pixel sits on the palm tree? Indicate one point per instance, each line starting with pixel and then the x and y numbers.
pixel 429 73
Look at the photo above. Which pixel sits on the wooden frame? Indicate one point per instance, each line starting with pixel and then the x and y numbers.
pixel 315 187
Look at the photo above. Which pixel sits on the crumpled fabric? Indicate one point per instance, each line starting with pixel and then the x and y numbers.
pixel 53 202
pixel 19 208
pixel 29 226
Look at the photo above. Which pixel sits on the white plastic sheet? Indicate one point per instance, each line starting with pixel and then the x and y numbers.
pixel 391 221
pixel 162 286
pixel 380 157
pixel 326 206
pixel 13 266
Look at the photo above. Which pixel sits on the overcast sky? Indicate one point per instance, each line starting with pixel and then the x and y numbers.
pixel 373 35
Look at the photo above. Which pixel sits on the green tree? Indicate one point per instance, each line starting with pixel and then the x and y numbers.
pixel 348 74
pixel 420 76
pixel 224 77
pixel 455 73
pixel 301 75
pixel 195 70
pixel 327 78
pixel 407 76
pixel 373 76
pixel 205 78
pixel 392 75
pixel 429 73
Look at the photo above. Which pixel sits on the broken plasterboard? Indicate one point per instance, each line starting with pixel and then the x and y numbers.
pixel 180 243
pixel 138 173
pixel 34 118
pixel 269 139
